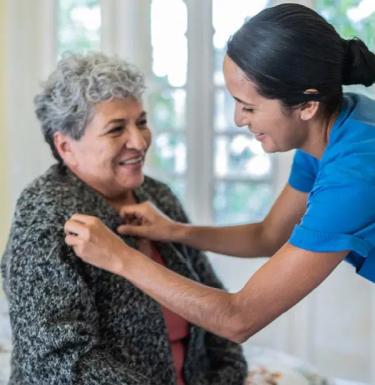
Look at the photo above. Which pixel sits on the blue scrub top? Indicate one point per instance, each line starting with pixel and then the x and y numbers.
pixel 340 212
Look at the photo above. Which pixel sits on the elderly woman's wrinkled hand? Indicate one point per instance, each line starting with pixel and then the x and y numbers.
pixel 95 243
pixel 147 221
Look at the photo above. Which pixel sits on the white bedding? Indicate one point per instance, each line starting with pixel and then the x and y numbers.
pixel 274 367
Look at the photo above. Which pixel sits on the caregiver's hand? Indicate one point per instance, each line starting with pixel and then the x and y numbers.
pixel 96 244
pixel 146 221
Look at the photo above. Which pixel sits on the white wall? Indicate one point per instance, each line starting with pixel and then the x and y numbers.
pixel 4 177
pixel 29 58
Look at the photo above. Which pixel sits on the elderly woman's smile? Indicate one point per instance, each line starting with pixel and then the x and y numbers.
pixel 110 154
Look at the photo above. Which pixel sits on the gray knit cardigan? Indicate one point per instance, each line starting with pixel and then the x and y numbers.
pixel 75 324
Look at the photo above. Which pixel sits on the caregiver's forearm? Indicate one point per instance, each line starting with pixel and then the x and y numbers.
pixel 248 240
pixel 279 284
pixel 215 310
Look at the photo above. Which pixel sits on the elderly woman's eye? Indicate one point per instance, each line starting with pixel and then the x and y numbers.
pixel 142 123
pixel 115 130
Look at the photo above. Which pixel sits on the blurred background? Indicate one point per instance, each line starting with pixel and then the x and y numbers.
pixel 219 171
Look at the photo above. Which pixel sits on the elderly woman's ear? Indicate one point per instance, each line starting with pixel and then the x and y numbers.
pixel 63 145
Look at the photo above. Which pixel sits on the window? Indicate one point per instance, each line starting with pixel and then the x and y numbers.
pixel 219 171
pixel 242 171
pixel 238 174
pixel 78 25
pixel 351 18
pixel 167 99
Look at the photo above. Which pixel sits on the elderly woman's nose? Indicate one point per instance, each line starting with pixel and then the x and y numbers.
pixel 136 139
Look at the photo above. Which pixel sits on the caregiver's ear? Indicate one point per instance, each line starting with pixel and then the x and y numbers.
pixel 64 146
pixel 309 109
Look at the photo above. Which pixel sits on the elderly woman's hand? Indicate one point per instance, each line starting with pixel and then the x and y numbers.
pixel 96 244
pixel 146 221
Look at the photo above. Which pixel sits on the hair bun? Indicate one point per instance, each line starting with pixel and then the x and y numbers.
pixel 359 63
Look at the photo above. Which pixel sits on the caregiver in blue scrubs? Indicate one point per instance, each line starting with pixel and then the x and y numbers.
pixel 285 69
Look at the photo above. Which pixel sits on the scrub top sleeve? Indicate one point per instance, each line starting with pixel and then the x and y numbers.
pixel 340 216
pixel 303 172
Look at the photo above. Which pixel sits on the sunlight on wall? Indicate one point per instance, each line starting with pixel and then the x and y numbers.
pixel 4 194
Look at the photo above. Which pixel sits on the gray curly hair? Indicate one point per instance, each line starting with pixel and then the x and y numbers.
pixel 79 82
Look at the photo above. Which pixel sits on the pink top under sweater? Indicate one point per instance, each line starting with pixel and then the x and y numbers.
pixel 178 331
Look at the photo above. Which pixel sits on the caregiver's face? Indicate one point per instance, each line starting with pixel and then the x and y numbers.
pixel 109 156
pixel 265 118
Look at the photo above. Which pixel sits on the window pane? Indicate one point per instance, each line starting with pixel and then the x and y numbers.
pixel 224 110
pixel 352 18
pixel 167 99
pixel 178 186
pixel 167 155
pixel 241 156
pixel 227 17
pixel 78 25
pixel 166 161
pixel 168 110
pixel 241 202
pixel 169 43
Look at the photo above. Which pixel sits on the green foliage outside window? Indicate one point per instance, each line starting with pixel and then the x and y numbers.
pixel 78 25
pixel 351 18
pixel 336 12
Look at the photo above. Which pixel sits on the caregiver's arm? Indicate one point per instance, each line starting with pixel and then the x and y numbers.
pixel 249 240
pixel 279 284
pixel 282 282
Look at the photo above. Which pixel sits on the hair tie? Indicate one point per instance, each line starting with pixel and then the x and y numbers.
pixel 312 94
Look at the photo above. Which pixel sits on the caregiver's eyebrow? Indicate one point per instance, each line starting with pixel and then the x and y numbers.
pixel 242 102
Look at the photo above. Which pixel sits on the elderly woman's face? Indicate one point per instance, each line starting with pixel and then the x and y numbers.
pixel 109 156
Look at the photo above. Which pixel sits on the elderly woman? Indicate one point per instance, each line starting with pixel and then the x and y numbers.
pixel 73 323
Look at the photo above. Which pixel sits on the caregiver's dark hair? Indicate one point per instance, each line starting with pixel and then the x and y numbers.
pixel 290 48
